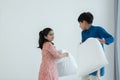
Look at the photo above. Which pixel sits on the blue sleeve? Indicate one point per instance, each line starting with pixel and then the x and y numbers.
pixel 82 36
pixel 104 34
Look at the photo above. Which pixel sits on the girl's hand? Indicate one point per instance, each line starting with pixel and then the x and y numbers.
pixel 63 55
pixel 66 54
pixel 102 41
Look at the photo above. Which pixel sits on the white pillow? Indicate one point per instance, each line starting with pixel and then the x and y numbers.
pixel 91 56
pixel 67 65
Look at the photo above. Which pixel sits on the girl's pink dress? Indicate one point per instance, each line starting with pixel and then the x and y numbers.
pixel 48 67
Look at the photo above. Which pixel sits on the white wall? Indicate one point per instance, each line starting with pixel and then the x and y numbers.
pixel 21 21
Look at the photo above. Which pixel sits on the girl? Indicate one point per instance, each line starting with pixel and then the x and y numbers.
pixel 88 30
pixel 48 68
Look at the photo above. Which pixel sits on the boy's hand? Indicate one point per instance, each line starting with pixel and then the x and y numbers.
pixel 102 41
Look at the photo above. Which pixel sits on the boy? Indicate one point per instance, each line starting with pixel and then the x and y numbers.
pixel 88 30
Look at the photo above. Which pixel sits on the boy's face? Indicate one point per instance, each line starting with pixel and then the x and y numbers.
pixel 83 25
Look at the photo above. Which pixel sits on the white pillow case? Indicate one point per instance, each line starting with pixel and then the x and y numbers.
pixel 67 65
pixel 91 56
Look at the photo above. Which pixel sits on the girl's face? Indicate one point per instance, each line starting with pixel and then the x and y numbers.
pixel 50 36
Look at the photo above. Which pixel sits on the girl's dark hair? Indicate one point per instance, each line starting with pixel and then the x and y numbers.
pixel 87 16
pixel 42 35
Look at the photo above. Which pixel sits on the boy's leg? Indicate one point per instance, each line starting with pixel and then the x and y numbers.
pixel 91 77
pixel 98 75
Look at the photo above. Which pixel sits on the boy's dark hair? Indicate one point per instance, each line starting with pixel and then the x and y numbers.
pixel 87 16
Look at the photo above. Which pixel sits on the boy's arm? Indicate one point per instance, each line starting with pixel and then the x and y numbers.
pixel 108 38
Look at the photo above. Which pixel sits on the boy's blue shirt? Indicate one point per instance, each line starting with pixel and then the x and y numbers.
pixel 97 32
